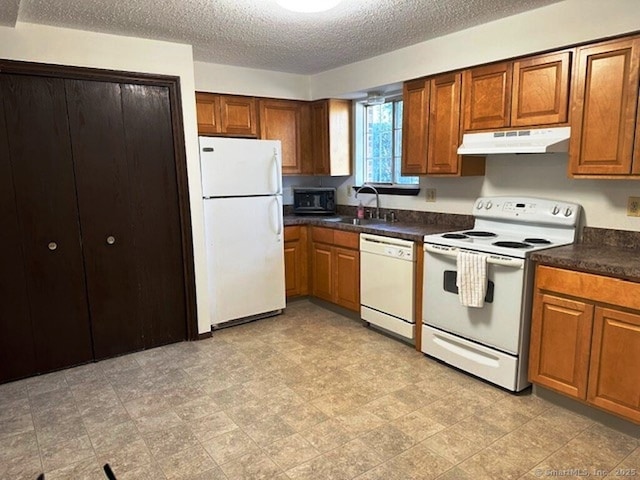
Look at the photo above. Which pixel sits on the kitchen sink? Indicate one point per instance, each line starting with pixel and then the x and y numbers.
pixel 355 221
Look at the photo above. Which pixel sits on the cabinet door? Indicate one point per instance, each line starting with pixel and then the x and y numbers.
pixel 322 268
pixel 296 261
pixel 415 121
pixel 320 137
pixel 281 120
pixel 614 376
pixel 238 116
pixel 339 124
pixel 346 278
pixel 444 124
pixel 45 196
pixel 541 90
pixel 560 344
pixel 208 112
pixel 160 267
pixel 605 99
pixel 487 96
pixel 17 356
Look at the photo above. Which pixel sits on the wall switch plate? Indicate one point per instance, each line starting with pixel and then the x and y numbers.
pixel 431 195
pixel 633 207
pixel 349 190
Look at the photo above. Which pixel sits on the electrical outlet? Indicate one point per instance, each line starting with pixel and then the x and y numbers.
pixel 349 190
pixel 431 194
pixel 633 207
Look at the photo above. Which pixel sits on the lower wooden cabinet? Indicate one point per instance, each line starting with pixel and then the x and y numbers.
pixel 585 339
pixel 335 266
pixel 614 373
pixel 562 334
pixel 296 261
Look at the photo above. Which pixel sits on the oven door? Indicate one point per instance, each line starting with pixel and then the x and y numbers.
pixel 499 323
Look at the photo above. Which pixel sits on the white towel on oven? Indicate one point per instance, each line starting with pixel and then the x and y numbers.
pixel 471 279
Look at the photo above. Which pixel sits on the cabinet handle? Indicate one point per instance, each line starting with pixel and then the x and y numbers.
pixel 52 246
pixel 111 240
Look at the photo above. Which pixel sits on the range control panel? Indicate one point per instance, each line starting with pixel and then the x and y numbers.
pixel 527 209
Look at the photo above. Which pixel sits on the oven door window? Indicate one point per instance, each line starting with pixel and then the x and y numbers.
pixel 449 285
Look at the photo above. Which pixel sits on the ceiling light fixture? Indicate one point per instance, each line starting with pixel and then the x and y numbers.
pixel 308 6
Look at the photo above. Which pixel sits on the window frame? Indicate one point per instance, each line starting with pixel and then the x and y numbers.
pixel 360 112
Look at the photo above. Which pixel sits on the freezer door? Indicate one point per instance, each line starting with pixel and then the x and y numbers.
pixel 245 256
pixel 239 167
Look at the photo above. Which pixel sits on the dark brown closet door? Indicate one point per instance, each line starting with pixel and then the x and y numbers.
pixel 40 155
pixel 158 243
pixel 17 358
pixel 102 183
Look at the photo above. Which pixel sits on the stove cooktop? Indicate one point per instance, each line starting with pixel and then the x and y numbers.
pixel 514 226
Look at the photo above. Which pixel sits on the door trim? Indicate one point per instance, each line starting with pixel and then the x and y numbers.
pixel 177 124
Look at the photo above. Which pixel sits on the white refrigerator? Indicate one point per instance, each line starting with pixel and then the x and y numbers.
pixel 244 229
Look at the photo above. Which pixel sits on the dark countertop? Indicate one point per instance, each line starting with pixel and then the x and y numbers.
pixel 405 230
pixel 612 261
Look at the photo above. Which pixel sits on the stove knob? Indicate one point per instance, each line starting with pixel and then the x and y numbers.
pixel 568 212
pixel 555 210
pixel 479 206
pixel 488 205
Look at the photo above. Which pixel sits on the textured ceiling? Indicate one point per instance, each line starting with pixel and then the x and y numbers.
pixel 260 34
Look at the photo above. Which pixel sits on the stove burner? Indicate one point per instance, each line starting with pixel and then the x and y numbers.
pixel 477 233
pixel 512 244
pixel 456 236
pixel 539 241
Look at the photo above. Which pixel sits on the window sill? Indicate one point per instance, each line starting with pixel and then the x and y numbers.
pixel 390 190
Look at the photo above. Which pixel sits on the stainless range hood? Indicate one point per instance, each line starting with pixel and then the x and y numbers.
pixel 543 140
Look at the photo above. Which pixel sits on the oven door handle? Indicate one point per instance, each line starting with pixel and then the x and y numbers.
pixel 491 258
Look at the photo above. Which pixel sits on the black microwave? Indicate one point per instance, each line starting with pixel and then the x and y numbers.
pixel 314 201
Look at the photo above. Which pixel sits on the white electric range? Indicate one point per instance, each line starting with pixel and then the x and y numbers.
pixel 491 342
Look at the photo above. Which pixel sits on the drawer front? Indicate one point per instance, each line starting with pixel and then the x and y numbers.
pixel 322 235
pixel 346 239
pixel 292 233
pixel 596 288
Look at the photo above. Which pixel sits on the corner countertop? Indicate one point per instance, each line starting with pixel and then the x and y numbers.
pixel 404 230
pixel 612 261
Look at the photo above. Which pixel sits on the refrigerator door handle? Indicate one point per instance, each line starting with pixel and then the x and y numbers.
pixel 276 166
pixel 279 215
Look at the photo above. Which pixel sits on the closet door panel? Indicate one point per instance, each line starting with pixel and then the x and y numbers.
pixel 103 186
pixel 158 242
pixel 40 153
pixel 17 357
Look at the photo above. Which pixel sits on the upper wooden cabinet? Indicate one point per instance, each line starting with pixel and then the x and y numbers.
pixel 431 128
pixel 487 96
pixel 229 115
pixel 415 121
pixel 605 100
pixel 528 92
pixel 283 120
pixel 208 113
pixel 331 137
pixel 541 90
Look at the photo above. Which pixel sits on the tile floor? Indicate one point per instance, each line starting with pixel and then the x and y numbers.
pixel 306 395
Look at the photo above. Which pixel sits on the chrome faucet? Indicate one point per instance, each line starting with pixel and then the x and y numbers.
pixel 377 197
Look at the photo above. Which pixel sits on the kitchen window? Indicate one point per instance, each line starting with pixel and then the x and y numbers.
pixel 378 143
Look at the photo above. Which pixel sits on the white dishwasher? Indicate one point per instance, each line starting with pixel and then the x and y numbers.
pixel 387 267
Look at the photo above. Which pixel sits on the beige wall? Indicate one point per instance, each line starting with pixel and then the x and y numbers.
pixel 36 43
